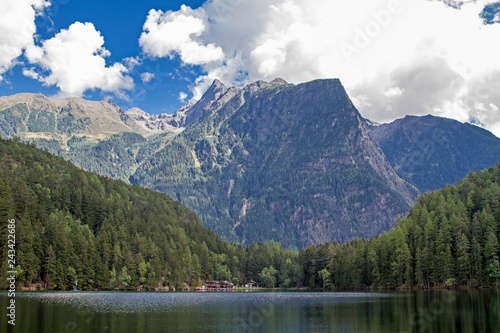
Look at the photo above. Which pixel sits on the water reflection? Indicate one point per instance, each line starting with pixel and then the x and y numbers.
pixel 446 311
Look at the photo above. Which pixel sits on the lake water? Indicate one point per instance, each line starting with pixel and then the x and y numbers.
pixel 445 311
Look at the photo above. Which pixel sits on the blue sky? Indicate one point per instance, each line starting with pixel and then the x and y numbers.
pixel 120 23
pixel 395 57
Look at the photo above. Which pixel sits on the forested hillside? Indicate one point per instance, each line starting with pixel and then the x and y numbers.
pixel 75 225
pixel 450 237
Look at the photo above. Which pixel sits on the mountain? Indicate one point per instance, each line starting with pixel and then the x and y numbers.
pixel 430 151
pixel 34 116
pixel 271 161
pixel 37 116
pixel 97 136
pixel 74 225
pixel 283 162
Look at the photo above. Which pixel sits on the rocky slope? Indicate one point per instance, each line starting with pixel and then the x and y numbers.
pixel 36 116
pixel 432 151
pixel 291 163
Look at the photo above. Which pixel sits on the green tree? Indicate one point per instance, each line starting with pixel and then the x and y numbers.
pixel 142 272
pixel 494 270
pixel 325 276
pixel 463 260
pixel 124 278
pixel 402 268
pixel 268 277
pixel 374 263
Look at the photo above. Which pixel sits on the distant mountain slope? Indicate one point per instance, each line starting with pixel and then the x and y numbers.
pixel 291 163
pixel 432 151
pixel 97 135
pixel 34 116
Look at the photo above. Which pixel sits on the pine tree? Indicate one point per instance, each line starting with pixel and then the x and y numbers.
pixel 374 263
pixel 463 260
pixel 419 274
pixel 491 247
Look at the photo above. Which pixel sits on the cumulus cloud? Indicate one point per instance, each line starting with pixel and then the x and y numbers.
pixel 169 33
pixel 182 96
pixel 17 29
pixel 74 61
pixel 147 77
pixel 395 57
pixel 131 63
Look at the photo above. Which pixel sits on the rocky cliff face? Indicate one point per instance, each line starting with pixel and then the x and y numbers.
pixel 432 151
pixel 291 163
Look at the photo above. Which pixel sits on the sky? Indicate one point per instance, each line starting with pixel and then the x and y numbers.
pixel 394 57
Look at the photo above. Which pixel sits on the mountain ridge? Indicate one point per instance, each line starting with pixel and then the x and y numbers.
pixel 247 163
pixel 36 113
pixel 432 151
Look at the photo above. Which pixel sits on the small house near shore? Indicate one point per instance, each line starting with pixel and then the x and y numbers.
pixel 252 284
pixel 218 286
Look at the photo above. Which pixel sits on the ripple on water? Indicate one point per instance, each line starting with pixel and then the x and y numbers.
pixel 132 302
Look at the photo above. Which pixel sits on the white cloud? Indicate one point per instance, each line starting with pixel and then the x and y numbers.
pixel 147 77
pixel 131 63
pixel 75 62
pixel 395 57
pixel 182 96
pixel 31 73
pixel 17 28
pixel 178 32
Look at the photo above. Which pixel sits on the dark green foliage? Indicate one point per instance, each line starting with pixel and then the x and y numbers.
pixel 431 152
pixel 449 237
pixel 74 225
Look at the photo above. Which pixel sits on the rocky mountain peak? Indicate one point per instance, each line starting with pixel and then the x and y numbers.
pixel 194 110
pixel 278 81
pixel 291 163
pixel 217 85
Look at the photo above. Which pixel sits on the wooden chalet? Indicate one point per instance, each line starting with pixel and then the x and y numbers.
pixel 218 286
pixel 252 284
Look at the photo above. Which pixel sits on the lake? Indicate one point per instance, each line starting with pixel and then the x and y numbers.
pixel 436 311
